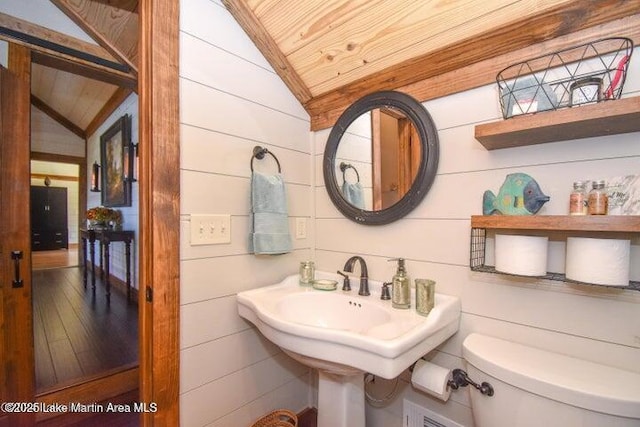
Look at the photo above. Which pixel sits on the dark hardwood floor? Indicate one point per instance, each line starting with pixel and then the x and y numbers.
pixel 77 335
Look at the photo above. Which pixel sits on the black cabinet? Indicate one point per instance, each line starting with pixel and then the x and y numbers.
pixel 49 218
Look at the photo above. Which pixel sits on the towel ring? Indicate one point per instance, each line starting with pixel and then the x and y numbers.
pixel 259 152
pixel 344 166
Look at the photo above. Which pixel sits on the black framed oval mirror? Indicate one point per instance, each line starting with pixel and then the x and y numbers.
pixel 381 158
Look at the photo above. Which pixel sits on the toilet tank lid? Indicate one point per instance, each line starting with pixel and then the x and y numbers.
pixel 563 378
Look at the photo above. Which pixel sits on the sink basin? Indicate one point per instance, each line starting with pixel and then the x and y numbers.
pixel 340 329
pixel 344 335
pixel 331 311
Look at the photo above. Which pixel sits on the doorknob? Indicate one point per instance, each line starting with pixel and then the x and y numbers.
pixel 16 256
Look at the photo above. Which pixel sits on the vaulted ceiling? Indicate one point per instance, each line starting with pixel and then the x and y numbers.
pixel 328 52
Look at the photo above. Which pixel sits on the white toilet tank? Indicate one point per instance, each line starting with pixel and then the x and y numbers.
pixel 538 388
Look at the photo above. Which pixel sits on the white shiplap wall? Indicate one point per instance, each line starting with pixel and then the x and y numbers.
pixel 230 101
pixel 597 324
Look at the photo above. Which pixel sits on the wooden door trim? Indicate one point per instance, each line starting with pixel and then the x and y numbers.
pixel 376 150
pixel 159 209
pixel 107 386
pixel 405 178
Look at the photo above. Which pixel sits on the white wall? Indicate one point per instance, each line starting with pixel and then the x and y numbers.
pixel 49 136
pixel 129 213
pixel 230 101
pixel 598 324
pixel 4 53
pixel 45 14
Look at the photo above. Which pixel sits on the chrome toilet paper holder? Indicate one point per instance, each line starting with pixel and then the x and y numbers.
pixel 461 379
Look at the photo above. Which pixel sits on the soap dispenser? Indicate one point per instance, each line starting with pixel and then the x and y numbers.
pixel 400 291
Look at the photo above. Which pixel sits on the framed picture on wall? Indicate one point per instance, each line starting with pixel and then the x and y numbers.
pixel 115 155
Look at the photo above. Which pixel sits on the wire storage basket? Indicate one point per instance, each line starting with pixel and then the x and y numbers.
pixel 277 418
pixel 584 74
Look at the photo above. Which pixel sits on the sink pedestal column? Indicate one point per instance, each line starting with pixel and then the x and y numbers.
pixel 340 400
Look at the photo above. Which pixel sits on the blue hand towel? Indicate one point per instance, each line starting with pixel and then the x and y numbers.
pixel 269 217
pixel 353 193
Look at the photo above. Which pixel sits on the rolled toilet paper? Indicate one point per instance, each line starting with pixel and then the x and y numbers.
pixel 599 261
pixel 431 379
pixel 522 255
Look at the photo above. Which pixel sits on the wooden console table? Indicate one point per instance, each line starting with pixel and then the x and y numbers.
pixel 105 237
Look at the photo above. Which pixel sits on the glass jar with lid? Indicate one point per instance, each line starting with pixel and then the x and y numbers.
pixel 578 199
pixel 598 200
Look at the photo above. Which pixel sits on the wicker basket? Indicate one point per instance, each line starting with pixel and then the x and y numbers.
pixel 277 418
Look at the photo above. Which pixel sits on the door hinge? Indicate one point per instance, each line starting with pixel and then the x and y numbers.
pixel 148 294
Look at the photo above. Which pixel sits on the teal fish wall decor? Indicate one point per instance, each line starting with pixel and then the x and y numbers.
pixel 519 195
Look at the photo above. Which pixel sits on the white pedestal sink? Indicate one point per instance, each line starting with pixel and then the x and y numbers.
pixel 343 335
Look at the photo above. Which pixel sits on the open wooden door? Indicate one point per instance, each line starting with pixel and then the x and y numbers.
pixel 16 337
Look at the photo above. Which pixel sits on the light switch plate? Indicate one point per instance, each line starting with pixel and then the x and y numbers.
pixel 210 229
pixel 301 228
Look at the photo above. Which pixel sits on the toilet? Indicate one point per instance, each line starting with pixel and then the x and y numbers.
pixel 533 387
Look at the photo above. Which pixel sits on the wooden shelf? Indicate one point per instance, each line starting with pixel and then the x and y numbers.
pixel 605 223
pixel 604 118
pixel 593 223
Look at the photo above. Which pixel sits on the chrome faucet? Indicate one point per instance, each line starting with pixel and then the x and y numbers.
pixel 364 274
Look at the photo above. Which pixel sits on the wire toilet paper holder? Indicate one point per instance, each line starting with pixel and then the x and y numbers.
pixel 459 378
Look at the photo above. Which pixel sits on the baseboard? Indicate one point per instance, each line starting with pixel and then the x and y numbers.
pixel 121 286
pixel 117 284
pixel 308 417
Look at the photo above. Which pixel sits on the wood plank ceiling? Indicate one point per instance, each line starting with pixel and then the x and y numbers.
pixel 74 97
pixel 80 92
pixel 331 52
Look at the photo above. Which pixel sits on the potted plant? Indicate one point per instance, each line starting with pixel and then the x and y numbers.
pixel 100 218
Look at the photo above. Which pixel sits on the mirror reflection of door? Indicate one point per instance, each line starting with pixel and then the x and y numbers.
pixel 78 336
pixel 396 153
pixel 382 151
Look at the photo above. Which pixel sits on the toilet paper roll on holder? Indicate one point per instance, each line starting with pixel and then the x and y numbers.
pixel 459 378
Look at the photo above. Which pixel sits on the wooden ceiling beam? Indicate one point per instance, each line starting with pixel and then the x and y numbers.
pixel 43 39
pixel 114 102
pixel 269 48
pixel 85 69
pixel 551 24
pixel 56 177
pixel 55 115
pixel 97 20
pixel 57 50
